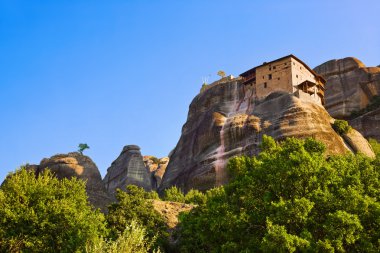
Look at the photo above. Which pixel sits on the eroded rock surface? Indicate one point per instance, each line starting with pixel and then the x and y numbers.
pixel 157 169
pixel 225 121
pixel 128 168
pixel 350 87
pixel 79 166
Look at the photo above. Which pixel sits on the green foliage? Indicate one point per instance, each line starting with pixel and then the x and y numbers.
pixel 204 87
pixel 341 126
pixel 133 205
pixel 82 147
pixel 375 146
pixel 44 214
pixel 174 194
pixel 152 195
pixel 132 240
pixel 289 198
pixel 195 197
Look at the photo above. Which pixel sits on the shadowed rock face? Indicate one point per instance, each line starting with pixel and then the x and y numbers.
pixel 80 166
pixel 350 87
pixel 225 121
pixel 127 169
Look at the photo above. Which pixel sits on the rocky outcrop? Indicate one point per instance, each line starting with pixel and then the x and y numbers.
pixel 358 143
pixel 225 120
pixel 350 87
pixel 368 124
pixel 79 166
pixel 157 168
pixel 128 168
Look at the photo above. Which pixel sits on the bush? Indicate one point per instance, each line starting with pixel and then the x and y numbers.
pixel 133 205
pixel 375 146
pixel 290 198
pixel 132 240
pixel 195 197
pixel 174 194
pixel 45 214
pixel 341 126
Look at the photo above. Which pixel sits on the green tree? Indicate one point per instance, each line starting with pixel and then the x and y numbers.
pixel 82 147
pixel 134 205
pixel 45 214
pixel 290 198
pixel 375 146
pixel 341 126
pixel 221 73
pixel 132 240
pixel 174 194
pixel 195 197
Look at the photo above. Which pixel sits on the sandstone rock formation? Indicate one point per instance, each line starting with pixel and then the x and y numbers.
pixel 225 121
pixel 368 124
pixel 127 169
pixel 350 88
pixel 157 169
pixel 79 166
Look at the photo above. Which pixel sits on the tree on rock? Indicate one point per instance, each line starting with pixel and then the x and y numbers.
pixel 45 214
pixel 221 73
pixel 82 147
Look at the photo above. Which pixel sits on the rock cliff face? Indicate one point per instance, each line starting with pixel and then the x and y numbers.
pixel 80 166
pixel 157 169
pixel 127 169
pixel 350 88
pixel 225 121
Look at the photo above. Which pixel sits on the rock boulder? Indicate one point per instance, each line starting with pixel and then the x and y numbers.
pixel 128 168
pixel 350 88
pixel 225 121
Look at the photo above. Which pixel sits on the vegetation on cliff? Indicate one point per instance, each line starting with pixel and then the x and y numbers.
pixel 45 214
pixel 290 198
pixel 40 213
pixel 133 205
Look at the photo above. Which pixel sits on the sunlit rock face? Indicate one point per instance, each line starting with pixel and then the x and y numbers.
pixel 225 120
pixel 350 87
pixel 79 166
pixel 128 168
pixel 157 168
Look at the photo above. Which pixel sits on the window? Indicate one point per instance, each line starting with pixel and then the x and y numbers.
pixel 265 85
pixel 274 67
pixel 296 76
pixel 270 76
pixel 263 77
pixel 285 63
pixel 278 78
pixel 300 67
pixel 270 68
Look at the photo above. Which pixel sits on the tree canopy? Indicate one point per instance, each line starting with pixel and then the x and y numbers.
pixel 290 198
pixel 44 214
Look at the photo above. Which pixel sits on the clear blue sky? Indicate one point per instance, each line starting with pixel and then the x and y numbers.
pixel 112 73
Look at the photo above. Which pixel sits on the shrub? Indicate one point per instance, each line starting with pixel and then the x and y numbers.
pixel 341 126
pixel 375 146
pixel 45 214
pixel 174 194
pixel 133 205
pixel 195 197
pixel 132 240
pixel 290 198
